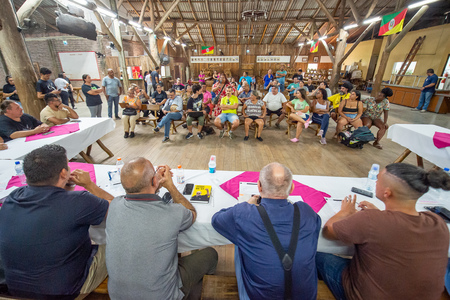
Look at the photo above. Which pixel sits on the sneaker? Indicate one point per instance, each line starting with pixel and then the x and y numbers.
pixel 166 139
pixel 414 109
pixel 118 118
pixel 126 135
pixel 231 135
pixel 221 133
pixel 184 126
pixel 323 141
pixel 307 124
pixel 294 140
pixel 246 138
pixel 189 135
pixel 74 107
pixel 132 134
pixel 423 110
pixel 199 135
pixel 259 138
pixel 156 129
pixel 320 133
pixel 277 125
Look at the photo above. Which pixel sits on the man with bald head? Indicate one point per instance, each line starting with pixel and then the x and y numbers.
pixel 259 270
pixel 141 236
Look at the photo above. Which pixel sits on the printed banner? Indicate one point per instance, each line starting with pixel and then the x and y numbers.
pixel 214 59
pixel 275 59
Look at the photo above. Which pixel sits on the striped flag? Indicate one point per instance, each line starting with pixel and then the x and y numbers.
pixel 208 50
pixel 314 47
pixel 392 23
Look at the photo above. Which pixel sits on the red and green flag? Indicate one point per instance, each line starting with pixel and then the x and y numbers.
pixel 314 47
pixel 392 23
pixel 207 50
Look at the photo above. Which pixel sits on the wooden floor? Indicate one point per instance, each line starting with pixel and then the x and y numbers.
pixel 308 157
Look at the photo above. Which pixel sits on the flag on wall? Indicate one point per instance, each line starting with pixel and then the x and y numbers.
pixel 314 47
pixel 392 23
pixel 208 50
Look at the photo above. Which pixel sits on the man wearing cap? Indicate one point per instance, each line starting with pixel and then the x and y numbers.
pixel 336 99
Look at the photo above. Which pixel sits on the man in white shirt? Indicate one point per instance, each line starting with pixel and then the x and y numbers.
pixel 63 86
pixel 148 82
pixel 275 104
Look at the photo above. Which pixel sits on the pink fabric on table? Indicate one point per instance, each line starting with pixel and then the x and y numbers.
pixel 441 139
pixel 313 197
pixel 15 181
pixel 58 130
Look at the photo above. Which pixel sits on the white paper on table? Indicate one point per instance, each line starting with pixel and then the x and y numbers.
pixel 247 190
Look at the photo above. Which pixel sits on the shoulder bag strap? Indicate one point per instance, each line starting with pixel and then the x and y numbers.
pixel 286 259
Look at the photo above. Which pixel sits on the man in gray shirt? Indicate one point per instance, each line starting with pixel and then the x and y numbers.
pixel 112 88
pixel 141 238
pixel 173 110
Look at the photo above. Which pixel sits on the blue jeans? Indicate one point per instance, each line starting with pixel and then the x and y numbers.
pixel 329 269
pixel 113 100
pixel 166 121
pixel 227 117
pixel 323 120
pixel 424 97
pixel 238 266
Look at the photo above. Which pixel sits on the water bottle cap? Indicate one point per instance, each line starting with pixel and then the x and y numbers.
pixel 179 166
pixel 375 167
pixel 17 162
pixel 119 158
pixel 446 169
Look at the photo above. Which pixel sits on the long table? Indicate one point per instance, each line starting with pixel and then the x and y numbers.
pixel 91 130
pixel 201 234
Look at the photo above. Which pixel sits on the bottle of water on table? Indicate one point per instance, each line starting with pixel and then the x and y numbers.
pixel 180 175
pixel 372 178
pixel 19 172
pixel 119 164
pixel 212 164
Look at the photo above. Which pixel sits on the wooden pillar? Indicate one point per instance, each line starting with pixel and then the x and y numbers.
pixel 339 54
pixel 118 36
pixel 18 61
pixel 152 45
pixel 2 60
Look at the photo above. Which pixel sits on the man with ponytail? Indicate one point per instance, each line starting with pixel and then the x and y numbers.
pixel 400 253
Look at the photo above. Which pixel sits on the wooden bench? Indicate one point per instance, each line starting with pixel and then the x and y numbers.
pixel 143 120
pixel 219 288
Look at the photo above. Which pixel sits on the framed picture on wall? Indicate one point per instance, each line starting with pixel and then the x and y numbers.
pixel 316 59
pixel 305 59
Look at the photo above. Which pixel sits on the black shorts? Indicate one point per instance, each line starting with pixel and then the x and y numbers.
pixel 277 112
pixel 253 117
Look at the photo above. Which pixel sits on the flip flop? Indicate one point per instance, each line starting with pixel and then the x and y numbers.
pixel 378 146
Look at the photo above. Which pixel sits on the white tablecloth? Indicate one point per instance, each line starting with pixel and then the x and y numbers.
pixel 201 234
pixel 419 139
pixel 91 129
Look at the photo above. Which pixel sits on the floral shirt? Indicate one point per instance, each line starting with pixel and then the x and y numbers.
pixel 374 109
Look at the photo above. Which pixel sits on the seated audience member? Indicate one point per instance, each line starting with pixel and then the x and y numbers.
pixel 178 86
pixel 240 87
pixel 44 227
pixel 159 97
pixel 298 75
pixel 299 112
pixel 301 85
pixel 9 89
pixel 151 224
pixel 272 84
pixel 322 85
pixel 254 110
pixel 228 106
pixel 215 76
pixel 268 78
pixel 15 124
pixel 246 93
pixel 221 87
pixel 350 112
pixel 131 112
pixel 372 115
pixel 259 271
pixel 143 97
pixel 92 93
pixel 321 114
pixel 207 98
pixel 292 87
pixel 196 110
pixel 400 253
pixel 336 99
pixel 44 85
pixel 247 78
pixel 56 113
pixel 3 146
pixel 275 104
pixel 63 86
pixel 187 94
pixel 172 110
pixel 310 86
pixel 201 77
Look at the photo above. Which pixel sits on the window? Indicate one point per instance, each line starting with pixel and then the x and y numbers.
pixel 163 71
pixel 398 65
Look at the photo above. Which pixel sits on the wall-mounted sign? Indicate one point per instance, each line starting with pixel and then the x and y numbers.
pixel 302 59
pixel 214 59
pixel 273 59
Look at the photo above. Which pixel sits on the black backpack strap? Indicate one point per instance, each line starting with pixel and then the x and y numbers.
pixel 286 259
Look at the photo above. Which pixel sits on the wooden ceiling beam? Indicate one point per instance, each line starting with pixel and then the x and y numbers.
pixel 185 32
pixel 327 13
pixel 287 34
pixel 225 33
pixel 284 18
pixel 371 8
pixel 354 11
pixel 132 7
pixel 251 31
pixel 185 26
pixel 198 27
pixel 166 14
pixel 235 22
pixel 263 34
pixel 141 18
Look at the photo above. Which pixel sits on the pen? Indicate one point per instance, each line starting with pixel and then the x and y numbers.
pixel 343 199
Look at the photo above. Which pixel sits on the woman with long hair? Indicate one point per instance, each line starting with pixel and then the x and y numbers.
pixel 299 112
pixel 350 112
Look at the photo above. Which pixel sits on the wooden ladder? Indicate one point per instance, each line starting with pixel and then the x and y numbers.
pixel 409 58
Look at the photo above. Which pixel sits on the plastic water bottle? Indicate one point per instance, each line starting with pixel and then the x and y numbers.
pixel 372 177
pixel 180 175
pixel 212 164
pixel 119 164
pixel 19 172
pixel 447 170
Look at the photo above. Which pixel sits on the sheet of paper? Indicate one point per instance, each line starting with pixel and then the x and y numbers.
pixel 246 190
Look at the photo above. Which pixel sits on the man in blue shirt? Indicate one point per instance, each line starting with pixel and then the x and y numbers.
pixel 155 78
pixel 259 270
pixel 44 230
pixel 281 76
pixel 428 89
